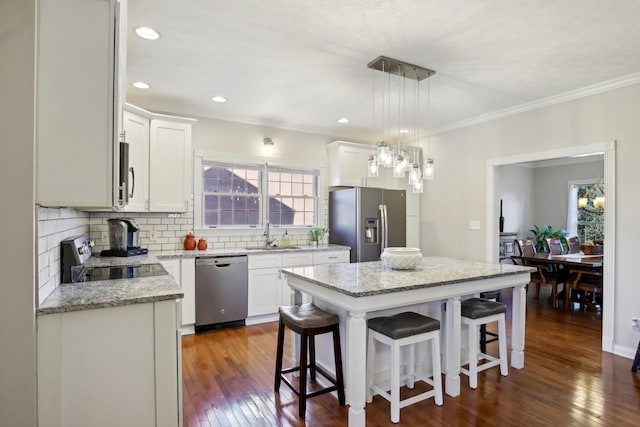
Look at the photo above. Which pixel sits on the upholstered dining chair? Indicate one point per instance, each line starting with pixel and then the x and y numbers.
pixel 544 274
pixel 553 245
pixel 586 288
pixel 573 244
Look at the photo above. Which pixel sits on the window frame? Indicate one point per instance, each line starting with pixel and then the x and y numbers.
pixel 202 157
pixel 572 206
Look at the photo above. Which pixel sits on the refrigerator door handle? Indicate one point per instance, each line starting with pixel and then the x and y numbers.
pixel 385 227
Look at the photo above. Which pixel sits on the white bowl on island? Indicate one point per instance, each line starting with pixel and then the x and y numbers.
pixel 400 258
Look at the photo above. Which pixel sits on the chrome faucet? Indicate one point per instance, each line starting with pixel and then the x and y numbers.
pixel 267 237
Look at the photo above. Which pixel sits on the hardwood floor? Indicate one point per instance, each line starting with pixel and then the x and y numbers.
pixel 228 381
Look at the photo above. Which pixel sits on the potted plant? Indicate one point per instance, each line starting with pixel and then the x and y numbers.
pixel 540 234
pixel 317 233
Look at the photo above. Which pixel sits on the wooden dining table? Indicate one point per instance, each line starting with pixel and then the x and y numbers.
pixel 577 261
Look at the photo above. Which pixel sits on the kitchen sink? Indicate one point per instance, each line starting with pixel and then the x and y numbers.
pixel 271 248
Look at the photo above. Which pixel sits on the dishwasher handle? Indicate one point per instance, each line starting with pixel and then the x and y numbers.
pixel 222 261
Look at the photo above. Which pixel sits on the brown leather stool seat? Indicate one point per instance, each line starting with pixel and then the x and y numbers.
pixel 307 320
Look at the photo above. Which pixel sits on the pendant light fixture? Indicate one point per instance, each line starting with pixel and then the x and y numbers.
pixel 403 157
pixel 429 168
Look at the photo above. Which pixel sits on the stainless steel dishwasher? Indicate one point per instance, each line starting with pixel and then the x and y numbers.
pixel 221 291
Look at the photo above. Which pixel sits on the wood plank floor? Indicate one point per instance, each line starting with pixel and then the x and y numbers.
pixel 567 380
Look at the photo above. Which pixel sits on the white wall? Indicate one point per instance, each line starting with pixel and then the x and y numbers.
pixel 459 192
pixel 17 216
pixel 551 190
pixel 538 195
pixel 516 189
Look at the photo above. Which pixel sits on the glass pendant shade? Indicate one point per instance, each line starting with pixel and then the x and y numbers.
pixel 415 174
pixel 582 202
pixel 429 169
pixel 399 166
pixel 372 169
pixel 385 156
pixel 417 186
pixel 598 202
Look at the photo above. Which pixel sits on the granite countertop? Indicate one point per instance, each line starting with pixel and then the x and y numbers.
pixel 111 293
pixel 372 278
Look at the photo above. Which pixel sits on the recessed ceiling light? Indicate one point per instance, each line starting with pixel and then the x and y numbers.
pixel 140 85
pixel 343 120
pixel 219 99
pixel 147 33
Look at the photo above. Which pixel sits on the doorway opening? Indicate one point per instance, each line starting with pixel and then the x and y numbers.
pixel 608 148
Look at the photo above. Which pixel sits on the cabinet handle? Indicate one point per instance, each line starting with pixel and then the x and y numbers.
pixel 133 180
pixel 332 257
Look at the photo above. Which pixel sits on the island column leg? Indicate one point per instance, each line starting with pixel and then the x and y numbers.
pixel 518 316
pixel 356 340
pixel 452 347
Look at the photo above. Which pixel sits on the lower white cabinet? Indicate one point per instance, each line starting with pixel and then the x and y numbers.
pixel 184 273
pixel 116 366
pixel 268 288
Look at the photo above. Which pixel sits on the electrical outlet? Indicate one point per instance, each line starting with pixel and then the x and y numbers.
pixel 634 323
pixel 474 225
pixel 104 236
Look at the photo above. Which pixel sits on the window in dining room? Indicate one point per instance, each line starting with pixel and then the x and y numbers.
pixel 585 210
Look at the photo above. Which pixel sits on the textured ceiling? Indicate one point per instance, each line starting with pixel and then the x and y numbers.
pixel 301 64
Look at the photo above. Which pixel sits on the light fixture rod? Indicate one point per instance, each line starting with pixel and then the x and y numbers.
pixel 400 68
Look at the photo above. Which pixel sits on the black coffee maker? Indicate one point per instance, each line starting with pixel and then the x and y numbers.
pixel 123 238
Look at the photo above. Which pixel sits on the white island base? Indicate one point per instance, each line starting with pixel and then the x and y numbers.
pixel 357 292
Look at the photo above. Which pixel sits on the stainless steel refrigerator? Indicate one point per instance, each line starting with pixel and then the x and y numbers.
pixel 367 220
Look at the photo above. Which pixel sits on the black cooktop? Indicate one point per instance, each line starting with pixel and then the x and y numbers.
pixel 90 274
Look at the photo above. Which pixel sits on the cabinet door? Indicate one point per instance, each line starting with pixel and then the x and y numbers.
pixel 137 135
pixel 169 166
pixel 78 105
pixel 264 291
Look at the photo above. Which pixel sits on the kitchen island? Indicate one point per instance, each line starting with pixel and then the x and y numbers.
pixel 360 291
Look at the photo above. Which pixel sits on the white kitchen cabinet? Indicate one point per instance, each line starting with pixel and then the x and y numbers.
pixel 136 129
pixel 80 85
pixel 112 366
pixel 331 257
pixel 160 161
pixel 348 166
pixel 169 166
pixel 183 272
pixel 268 288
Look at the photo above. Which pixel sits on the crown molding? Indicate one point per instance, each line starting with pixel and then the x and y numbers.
pixel 605 86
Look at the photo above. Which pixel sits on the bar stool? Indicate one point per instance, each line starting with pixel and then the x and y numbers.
pixel 493 296
pixel 404 329
pixel 477 312
pixel 307 320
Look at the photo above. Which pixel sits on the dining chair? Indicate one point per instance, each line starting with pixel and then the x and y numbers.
pixel 545 274
pixel 573 244
pixel 553 245
pixel 586 288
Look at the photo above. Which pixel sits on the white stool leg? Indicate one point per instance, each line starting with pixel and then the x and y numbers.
pixel 473 354
pixel 371 349
pixel 395 382
pixel 437 375
pixel 411 363
pixel 502 341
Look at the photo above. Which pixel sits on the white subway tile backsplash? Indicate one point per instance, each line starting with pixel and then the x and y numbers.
pixel 55 225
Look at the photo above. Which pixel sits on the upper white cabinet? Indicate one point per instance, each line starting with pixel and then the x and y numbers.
pixel 348 163
pixel 80 82
pixel 348 166
pixel 159 161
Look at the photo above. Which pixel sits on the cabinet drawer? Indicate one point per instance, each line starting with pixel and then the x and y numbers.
pixel 264 261
pixel 297 259
pixel 330 257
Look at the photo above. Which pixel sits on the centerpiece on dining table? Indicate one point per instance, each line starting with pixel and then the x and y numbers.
pixel 401 258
